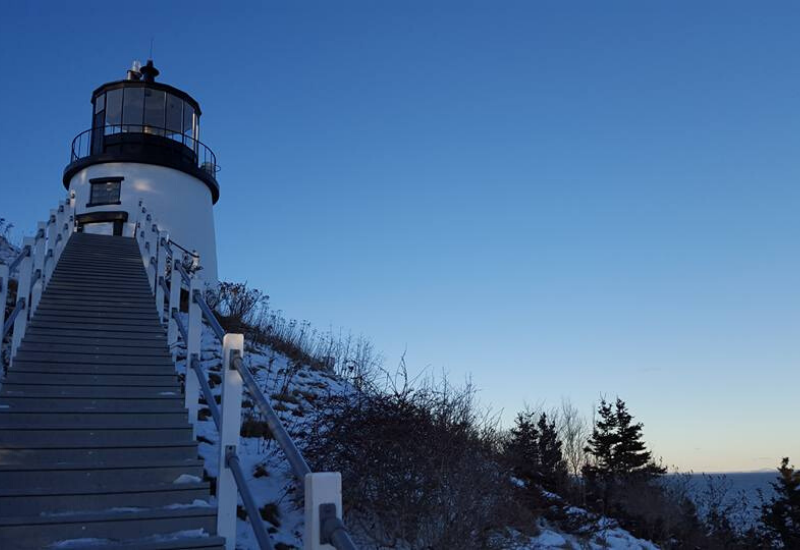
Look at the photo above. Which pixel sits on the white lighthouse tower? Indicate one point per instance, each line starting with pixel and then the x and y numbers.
pixel 143 147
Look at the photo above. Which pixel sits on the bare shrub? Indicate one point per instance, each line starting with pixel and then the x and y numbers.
pixel 246 310
pixel 419 465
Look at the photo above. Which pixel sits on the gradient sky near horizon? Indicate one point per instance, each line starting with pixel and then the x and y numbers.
pixel 562 199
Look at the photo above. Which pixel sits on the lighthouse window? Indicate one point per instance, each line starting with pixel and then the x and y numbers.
pixel 114 107
pixel 133 107
pixel 99 103
pixel 104 191
pixel 174 115
pixel 154 109
pixel 188 121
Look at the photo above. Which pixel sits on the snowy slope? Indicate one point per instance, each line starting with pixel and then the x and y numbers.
pixel 274 373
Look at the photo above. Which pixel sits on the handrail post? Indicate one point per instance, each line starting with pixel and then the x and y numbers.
pixel 161 271
pixel 50 251
pixel 156 244
pixel 174 305
pixel 38 267
pixel 5 276
pixel 230 425
pixel 59 232
pixel 149 251
pixel 194 334
pixel 323 504
pixel 23 293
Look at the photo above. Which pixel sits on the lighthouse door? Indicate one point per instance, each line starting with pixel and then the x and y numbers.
pixel 102 223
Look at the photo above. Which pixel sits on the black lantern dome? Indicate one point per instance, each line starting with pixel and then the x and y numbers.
pixel 141 120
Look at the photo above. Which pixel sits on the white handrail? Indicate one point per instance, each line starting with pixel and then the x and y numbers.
pixel 34 268
pixel 323 501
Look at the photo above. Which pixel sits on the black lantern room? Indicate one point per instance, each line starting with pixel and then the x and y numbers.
pixel 141 120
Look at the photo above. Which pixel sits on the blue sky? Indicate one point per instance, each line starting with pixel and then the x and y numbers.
pixel 564 199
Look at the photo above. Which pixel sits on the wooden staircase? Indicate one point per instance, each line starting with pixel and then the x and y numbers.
pixel 96 449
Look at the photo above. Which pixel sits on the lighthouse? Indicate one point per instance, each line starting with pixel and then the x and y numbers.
pixel 143 148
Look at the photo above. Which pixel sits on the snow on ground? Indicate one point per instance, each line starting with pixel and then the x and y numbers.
pixel 269 477
pixel 604 534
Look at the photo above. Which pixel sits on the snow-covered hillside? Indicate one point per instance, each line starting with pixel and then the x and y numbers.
pixel 294 391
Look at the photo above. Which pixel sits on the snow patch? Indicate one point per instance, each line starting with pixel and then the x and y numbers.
pixel 186 478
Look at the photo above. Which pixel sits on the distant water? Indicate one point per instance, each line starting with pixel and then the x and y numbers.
pixel 740 490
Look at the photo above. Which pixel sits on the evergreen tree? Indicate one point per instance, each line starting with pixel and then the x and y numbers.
pixel 553 467
pixel 618 454
pixel 781 515
pixel 522 448
pixel 630 456
pixel 600 446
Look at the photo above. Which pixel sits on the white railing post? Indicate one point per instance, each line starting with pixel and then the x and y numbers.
pixel 161 272
pixel 323 497
pixel 138 231
pixel 59 243
pixel 38 267
pixel 5 276
pixel 230 425
pixel 156 244
pixel 174 307
pixel 50 252
pixel 194 335
pixel 23 292
pixel 149 250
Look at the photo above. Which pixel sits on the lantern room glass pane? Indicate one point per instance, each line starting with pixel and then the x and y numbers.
pixel 188 120
pixel 133 108
pixel 99 103
pixel 174 114
pixel 154 109
pixel 114 107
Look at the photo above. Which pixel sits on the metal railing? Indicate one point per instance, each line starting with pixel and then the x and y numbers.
pixel 118 137
pixel 322 491
pixel 33 269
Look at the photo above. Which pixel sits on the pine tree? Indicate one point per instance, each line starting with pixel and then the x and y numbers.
pixel 630 456
pixel 523 448
pixel 603 441
pixel 781 515
pixel 618 453
pixel 553 467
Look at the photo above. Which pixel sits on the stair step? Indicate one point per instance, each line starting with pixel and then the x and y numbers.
pixel 83 438
pixel 92 289
pixel 21 365
pixel 88 456
pixel 55 390
pixel 90 323
pixel 201 543
pixel 142 496
pixel 39 532
pixel 165 382
pixel 38 326
pixel 134 357
pixel 63 404
pixel 112 477
pixel 93 420
pixel 102 349
pixel 92 305
pixel 52 336
pixel 109 314
pixel 124 300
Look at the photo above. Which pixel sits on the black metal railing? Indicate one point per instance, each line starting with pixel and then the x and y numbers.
pixel 119 138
